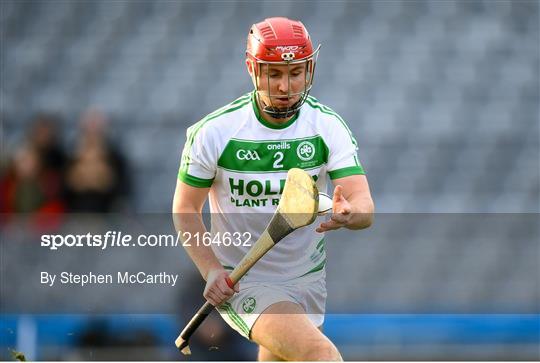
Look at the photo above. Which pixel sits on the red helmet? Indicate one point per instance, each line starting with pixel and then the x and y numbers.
pixel 281 41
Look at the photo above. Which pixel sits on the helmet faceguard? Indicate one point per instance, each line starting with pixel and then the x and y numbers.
pixel 283 42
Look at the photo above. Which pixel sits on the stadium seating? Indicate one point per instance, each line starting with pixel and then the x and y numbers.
pixel 442 96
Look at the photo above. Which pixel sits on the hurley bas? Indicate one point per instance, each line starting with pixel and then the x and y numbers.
pixel 122 278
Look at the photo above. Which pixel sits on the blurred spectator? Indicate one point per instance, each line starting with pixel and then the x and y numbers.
pixel 21 185
pixel 32 180
pixel 96 179
pixel 44 137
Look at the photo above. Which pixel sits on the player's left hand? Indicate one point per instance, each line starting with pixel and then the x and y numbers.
pixel 341 212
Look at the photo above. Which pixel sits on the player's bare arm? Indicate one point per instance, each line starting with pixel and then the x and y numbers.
pixel 353 206
pixel 187 207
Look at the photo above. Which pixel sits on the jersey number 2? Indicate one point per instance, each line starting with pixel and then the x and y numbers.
pixel 279 158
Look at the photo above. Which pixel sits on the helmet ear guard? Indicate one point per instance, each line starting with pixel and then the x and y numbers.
pixel 251 66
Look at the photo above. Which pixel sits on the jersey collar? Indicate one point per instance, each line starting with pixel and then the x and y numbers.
pixel 269 124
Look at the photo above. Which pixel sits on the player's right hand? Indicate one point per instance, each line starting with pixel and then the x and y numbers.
pixel 217 290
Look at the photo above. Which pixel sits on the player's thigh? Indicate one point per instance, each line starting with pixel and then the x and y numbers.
pixel 286 331
pixel 267 356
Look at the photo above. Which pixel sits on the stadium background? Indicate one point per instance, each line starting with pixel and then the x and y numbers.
pixel 442 96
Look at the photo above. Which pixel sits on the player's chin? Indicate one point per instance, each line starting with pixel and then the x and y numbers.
pixel 284 102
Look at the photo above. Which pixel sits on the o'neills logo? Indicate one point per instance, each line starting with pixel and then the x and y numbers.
pixel 284 145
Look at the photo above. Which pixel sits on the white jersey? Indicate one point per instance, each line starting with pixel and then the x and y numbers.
pixel 244 160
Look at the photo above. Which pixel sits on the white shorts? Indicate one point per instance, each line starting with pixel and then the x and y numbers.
pixel 244 308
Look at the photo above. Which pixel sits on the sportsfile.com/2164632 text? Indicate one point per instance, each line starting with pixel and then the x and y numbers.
pixel 122 239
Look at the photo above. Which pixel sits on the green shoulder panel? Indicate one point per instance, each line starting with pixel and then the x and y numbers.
pixel 195 128
pixel 313 103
